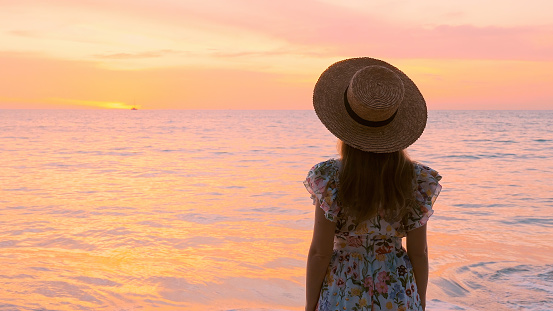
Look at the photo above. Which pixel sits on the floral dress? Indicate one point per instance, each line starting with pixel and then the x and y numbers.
pixel 370 269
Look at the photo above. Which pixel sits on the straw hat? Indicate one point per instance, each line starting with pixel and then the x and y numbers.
pixel 370 105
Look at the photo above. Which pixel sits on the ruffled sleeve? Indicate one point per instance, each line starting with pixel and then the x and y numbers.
pixel 321 183
pixel 426 193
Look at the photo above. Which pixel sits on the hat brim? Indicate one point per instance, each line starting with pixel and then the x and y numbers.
pixel 328 101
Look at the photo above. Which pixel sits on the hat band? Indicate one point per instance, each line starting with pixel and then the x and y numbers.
pixel 362 121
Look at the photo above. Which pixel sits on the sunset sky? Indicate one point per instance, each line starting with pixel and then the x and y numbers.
pixel 260 54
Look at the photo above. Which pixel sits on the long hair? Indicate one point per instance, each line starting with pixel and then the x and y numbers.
pixel 375 183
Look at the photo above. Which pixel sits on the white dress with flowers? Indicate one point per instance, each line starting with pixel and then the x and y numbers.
pixel 370 270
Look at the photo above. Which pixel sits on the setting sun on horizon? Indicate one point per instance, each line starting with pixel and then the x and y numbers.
pixel 243 54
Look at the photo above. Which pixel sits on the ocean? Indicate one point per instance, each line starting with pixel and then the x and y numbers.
pixel 206 210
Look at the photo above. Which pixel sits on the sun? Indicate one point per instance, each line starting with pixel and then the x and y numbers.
pixel 115 105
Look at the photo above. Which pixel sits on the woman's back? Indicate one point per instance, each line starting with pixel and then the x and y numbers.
pixel 369 268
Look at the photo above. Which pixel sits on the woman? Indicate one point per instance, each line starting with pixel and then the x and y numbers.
pixel 373 196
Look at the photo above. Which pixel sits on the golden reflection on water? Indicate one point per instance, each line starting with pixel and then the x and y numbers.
pixel 105 231
pixel 135 258
pixel 163 211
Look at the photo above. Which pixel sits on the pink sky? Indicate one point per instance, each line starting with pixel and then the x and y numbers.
pixel 257 54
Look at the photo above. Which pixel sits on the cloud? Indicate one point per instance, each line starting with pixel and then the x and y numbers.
pixel 326 29
pixel 334 31
pixel 268 53
pixel 307 28
pixel 23 33
pixel 35 81
pixel 147 54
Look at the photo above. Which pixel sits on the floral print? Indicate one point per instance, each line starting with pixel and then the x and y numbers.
pixel 370 269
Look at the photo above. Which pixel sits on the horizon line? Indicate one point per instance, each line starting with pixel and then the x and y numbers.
pixel 230 109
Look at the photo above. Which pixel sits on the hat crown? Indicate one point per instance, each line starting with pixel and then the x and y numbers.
pixel 375 93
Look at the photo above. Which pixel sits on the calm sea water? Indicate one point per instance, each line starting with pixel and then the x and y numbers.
pixel 205 210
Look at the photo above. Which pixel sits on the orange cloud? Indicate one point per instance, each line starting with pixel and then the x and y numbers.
pixel 303 29
pixel 37 82
pixel 482 84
